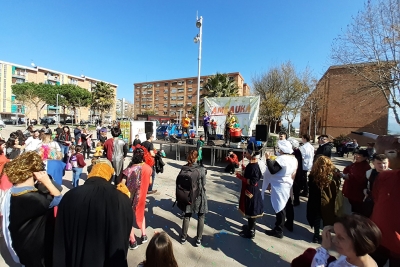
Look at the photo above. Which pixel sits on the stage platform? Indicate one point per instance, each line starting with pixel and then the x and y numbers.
pixel 216 153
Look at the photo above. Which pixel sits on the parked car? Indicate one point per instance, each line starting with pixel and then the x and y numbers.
pixel 163 132
pixel 2 124
pixel 33 122
pixel 84 122
pixel 9 121
pixel 47 120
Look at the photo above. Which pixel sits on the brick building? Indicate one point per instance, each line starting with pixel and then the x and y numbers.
pixel 347 103
pixel 169 97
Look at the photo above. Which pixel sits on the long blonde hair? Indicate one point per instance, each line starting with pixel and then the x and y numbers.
pixel 322 171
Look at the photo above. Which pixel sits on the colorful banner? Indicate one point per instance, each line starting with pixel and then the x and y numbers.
pixel 244 108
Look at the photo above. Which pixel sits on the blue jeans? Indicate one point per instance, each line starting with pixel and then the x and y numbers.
pixel 64 149
pixel 76 173
pixel 153 177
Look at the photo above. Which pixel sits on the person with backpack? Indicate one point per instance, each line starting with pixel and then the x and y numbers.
pixel 250 203
pixel 191 195
pixel 78 163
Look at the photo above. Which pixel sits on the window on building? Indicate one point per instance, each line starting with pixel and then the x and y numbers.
pixel 158 85
pixel 180 97
pixel 165 91
pixel 190 89
pixel 173 98
pixel 173 91
pixel 157 91
pixel 189 104
pixel 165 98
pixel 189 112
pixel 190 96
pixel 190 81
pixel 181 90
pixel 165 105
pixel 165 112
pixel 174 84
pixel 165 84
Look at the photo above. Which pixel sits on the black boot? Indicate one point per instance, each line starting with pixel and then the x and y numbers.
pixel 248 233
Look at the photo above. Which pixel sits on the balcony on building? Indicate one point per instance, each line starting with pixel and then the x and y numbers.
pixel 17 73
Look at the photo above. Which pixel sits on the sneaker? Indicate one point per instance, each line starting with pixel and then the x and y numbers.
pixel 198 242
pixel 144 239
pixel 151 192
pixel 274 233
pixel 183 240
pixel 133 245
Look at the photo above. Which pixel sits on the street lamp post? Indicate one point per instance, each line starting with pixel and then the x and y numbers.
pixel 198 39
pixel 58 114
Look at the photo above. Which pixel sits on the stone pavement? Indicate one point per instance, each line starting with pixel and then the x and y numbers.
pixel 221 245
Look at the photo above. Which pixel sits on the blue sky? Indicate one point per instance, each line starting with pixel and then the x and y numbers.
pixel 131 41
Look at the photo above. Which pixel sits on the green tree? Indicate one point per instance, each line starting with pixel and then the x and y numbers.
pixel 219 85
pixel 34 95
pixel 75 97
pixel 149 112
pixel 102 98
pixel 201 110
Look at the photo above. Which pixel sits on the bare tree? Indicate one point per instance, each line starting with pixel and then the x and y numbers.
pixel 312 105
pixel 282 90
pixel 370 47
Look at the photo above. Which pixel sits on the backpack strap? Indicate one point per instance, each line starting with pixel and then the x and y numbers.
pixel 368 175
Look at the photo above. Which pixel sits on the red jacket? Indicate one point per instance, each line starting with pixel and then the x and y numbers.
pixel 80 160
pixel 353 188
pixel 386 213
pixel 108 148
pixel 232 160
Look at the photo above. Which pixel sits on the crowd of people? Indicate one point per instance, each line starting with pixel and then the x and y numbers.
pixel 107 207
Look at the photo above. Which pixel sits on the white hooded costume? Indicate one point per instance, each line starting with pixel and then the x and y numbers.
pixel 282 181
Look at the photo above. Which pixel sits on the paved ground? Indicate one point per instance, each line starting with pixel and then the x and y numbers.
pixel 222 246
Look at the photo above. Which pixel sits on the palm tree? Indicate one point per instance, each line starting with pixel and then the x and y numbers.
pixel 219 85
pixel 102 98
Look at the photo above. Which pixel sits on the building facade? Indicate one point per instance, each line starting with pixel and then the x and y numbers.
pixel 124 109
pixel 175 96
pixel 11 73
pixel 345 102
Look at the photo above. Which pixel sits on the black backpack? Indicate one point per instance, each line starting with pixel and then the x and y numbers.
pixel 187 186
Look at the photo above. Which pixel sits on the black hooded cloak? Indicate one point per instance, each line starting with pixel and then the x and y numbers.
pixel 93 226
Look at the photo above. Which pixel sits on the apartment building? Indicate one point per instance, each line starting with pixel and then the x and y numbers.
pixel 11 73
pixel 170 97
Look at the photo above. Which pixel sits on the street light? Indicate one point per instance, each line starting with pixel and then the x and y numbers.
pixel 57 114
pixel 198 39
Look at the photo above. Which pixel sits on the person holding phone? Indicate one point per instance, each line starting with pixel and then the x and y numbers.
pixel 355 237
pixel 85 137
pixel 28 215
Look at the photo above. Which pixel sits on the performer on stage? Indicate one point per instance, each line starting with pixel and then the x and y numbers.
pixel 206 125
pixel 250 203
pixel 28 215
pixel 213 124
pixel 185 126
pixel 94 222
pixel 229 122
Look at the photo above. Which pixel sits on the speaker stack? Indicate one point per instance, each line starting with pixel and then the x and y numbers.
pixel 261 132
